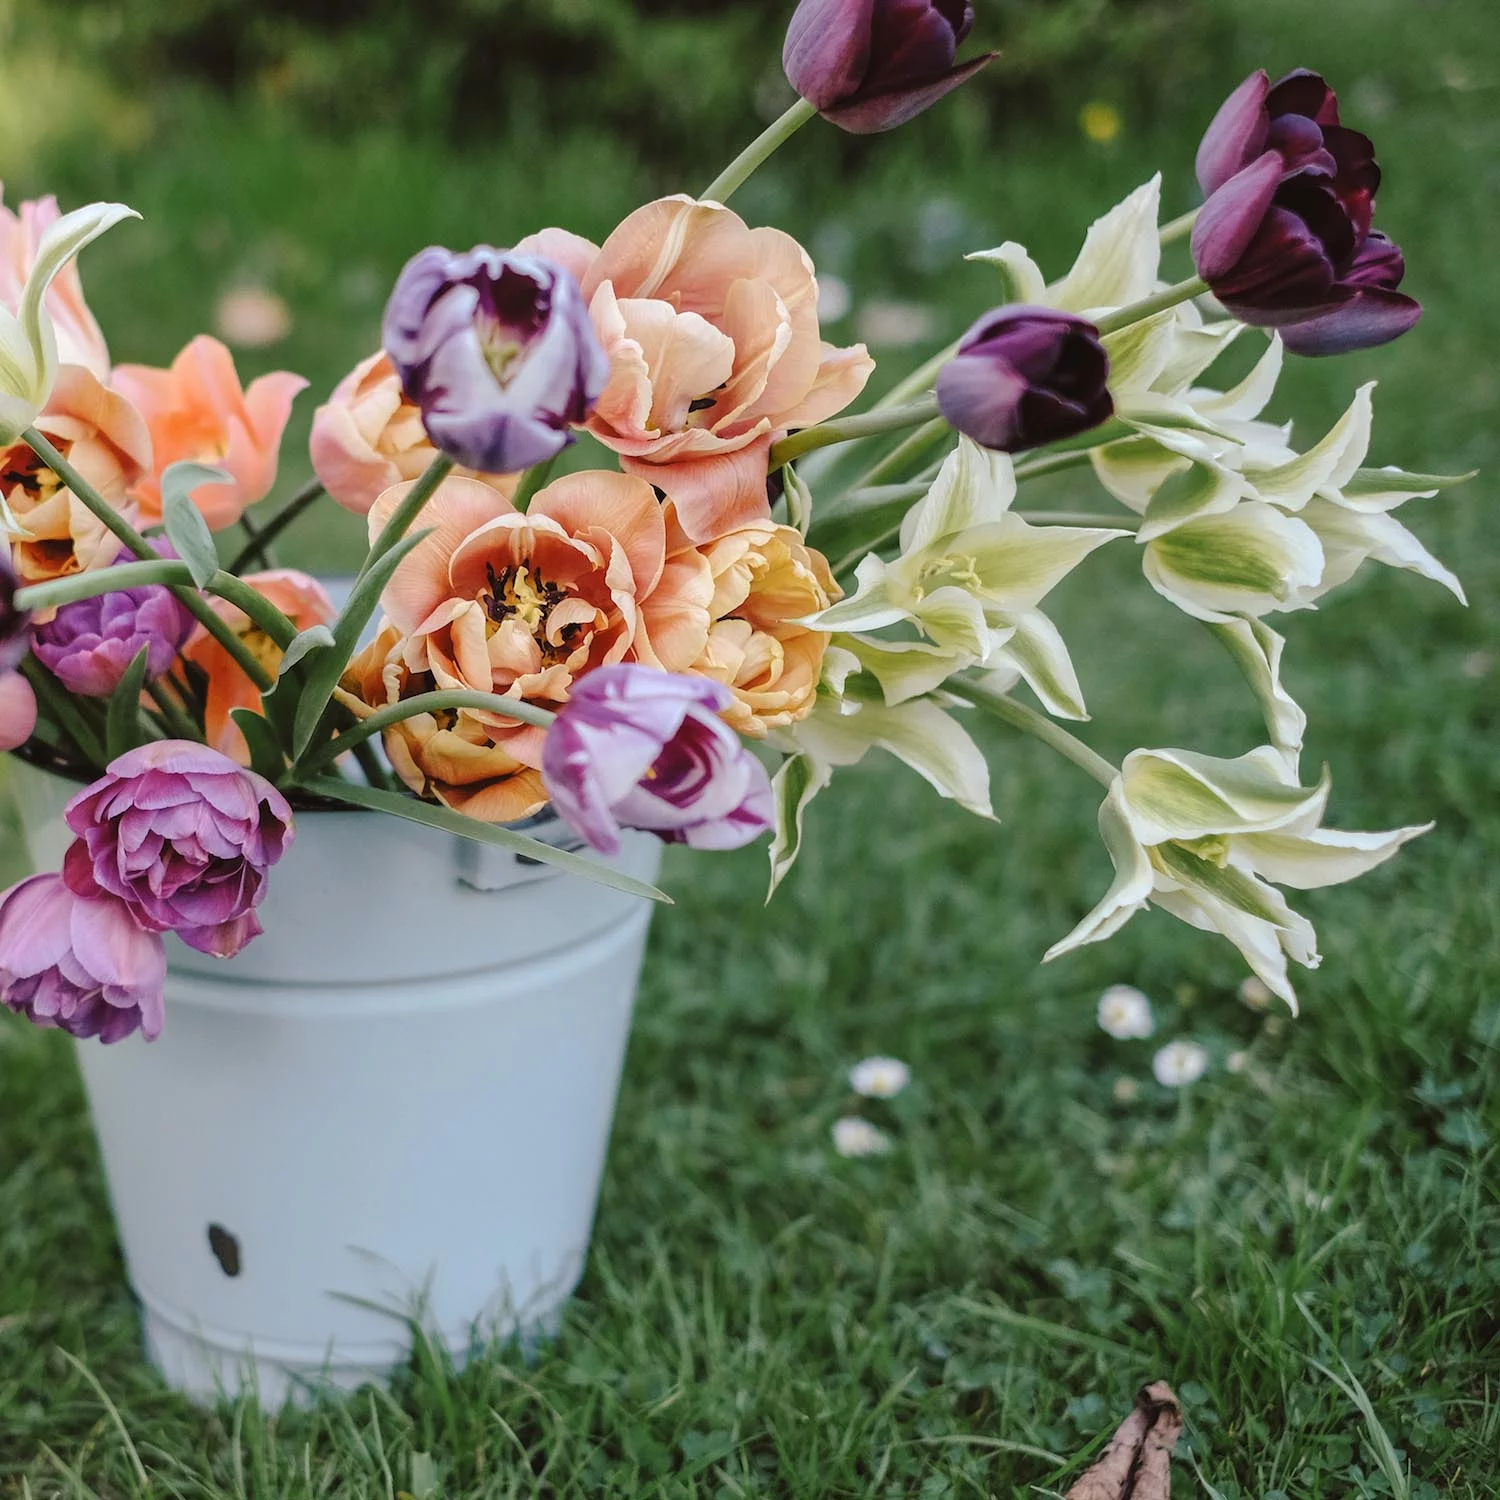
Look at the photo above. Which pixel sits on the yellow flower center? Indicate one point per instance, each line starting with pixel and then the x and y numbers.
pixel 1213 849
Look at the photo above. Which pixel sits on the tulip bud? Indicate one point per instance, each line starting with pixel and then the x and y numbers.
pixel 1285 239
pixel 1024 377
pixel 15 624
pixel 17 711
pixel 870 65
pixel 497 351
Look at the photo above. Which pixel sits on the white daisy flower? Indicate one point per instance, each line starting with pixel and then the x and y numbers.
pixel 1237 1062
pixel 1256 995
pixel 1179 1064
pixel 879 1077
pixel 855 1137
pixel 1125 1013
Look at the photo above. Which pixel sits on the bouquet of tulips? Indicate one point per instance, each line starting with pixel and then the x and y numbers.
pixel 688 640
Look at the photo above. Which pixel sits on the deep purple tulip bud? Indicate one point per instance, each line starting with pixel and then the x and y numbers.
pixel 870 65
pixel 89 645
pixel 498 352
pixel 15 624
pixel 79 964
pixel 184 838
pixel 639 748
pixel 1024 377
pixel 1284 240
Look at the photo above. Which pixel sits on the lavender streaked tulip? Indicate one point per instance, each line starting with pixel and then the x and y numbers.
pixel 89 645
pixel 184 837
pixel 15 624
pixel 870 65
pixel 1024 377
pixel 1285 238
pixel 498 352
pixel 17 710
pixel 639 748
pixel 79 964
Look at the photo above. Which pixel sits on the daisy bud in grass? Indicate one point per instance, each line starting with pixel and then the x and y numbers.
pixel 89 645
pixel 870 65
pixel 498 351
pixel 1125 1013
pixel 15 623
pixel 638 748
pixel 1024 377
pixel 1285 238
pixel 17 711
pixel 1179 1064
pixel 79 964
pixel 879 1077
pixel 184 838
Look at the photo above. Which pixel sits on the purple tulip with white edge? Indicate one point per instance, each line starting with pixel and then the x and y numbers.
pixel 639 748
pixel 185 838
pixel 89 645
pixel 1285 239
pixel 498 352
pixel 1024 377
pixel 79 964
pixel 870 65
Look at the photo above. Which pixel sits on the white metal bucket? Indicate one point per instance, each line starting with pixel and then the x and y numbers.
pixel 394 1104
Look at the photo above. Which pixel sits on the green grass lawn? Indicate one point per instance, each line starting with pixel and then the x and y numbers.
pixel 1306 1247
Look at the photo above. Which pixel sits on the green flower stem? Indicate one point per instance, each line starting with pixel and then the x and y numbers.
pixel 870 424
pixel 173 714
pixel 1053 463
pixel 533 481
pixel 896 464
pixel 262 613
pixel 257 549
pixel 1148 307
pixel 64 711
pixel 409 708
pixel 1038 725
pixel 758 152
pixel 77 586
pixel 407 512
pixel 1179 229
pixel 192 600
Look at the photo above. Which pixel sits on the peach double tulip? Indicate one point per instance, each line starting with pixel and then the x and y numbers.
pixel 103 436
pixel 521 605
pixel 715 348
pixel 302 600
pixel 765 579
pixel 197 410
pixel 79 339
pixel 367 437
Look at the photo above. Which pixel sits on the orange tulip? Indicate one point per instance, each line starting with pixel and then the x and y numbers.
pixel 197 410
pixel 103 436
pixel 302 600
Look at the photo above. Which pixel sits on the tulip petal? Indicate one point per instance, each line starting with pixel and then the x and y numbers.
pixel 1370 317
pixel 1233 215
pixel 1237 134
pixel 885 111
pixel 1328 465
pixel 1180 794
pixel 1120 257
pixel 1257 650
pixel 974 487
pixel 1130 889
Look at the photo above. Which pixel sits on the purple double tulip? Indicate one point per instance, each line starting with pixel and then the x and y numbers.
pixel 184 838
pixel 498 352
pixel 79 964
pixel 638 748
pixel 15 624
pixel 89 645
pixel 870 65
pixel 1024 377
pixel 1285 239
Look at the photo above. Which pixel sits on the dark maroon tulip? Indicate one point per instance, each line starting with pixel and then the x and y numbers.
pixel 15 624
pixel 1285 239
pixel 1026 376
pixel 870 65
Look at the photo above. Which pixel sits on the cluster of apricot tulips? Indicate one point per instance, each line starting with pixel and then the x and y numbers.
pixel 641 646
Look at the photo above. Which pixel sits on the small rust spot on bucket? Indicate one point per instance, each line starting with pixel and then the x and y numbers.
pixel 226 1249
